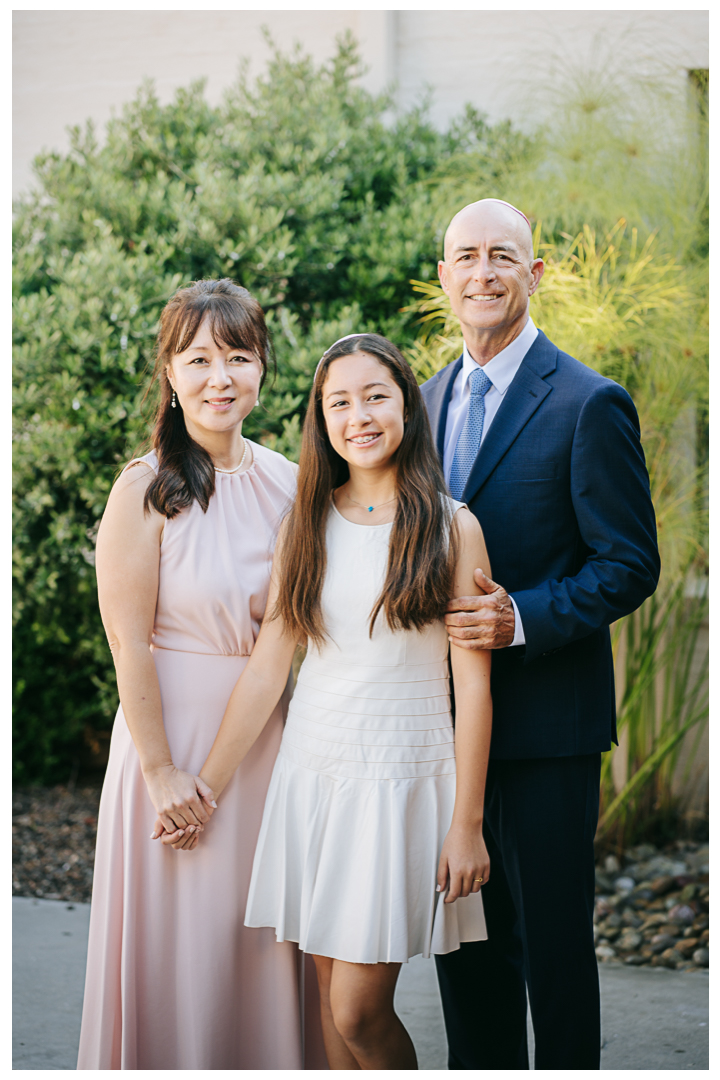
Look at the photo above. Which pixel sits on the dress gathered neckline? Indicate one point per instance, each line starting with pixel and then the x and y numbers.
pixel 250 468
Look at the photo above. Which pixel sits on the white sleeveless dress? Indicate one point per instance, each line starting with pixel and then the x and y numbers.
pixel 362 792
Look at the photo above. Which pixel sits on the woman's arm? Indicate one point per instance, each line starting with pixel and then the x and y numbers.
pixel 127 563
pixel 464 862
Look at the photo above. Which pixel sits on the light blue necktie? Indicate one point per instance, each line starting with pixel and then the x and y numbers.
pixel 469 442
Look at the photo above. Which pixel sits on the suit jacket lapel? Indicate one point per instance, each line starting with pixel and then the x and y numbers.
pixel 522 398
pixel 437 399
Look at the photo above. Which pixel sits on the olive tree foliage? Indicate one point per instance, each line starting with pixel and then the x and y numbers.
pixel 304 188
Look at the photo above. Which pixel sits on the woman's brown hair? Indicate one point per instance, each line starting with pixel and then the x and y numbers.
pixel 185 469
pixel 423 547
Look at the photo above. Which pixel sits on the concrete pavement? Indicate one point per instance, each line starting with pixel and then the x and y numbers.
pixel 49 950
pixel 652 1018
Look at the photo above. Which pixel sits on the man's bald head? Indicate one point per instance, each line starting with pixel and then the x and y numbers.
pixel 495 212
pixel 489 274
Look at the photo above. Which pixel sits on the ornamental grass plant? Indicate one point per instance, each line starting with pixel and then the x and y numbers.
pixel 637 318
pixel 617 183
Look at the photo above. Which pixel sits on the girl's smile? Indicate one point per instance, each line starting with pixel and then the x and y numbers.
pixel 366 439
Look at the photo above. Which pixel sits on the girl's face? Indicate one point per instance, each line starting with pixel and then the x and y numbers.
pixel 364 411
pixel 216 385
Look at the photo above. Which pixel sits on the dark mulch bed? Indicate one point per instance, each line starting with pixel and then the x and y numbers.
pixel 54 842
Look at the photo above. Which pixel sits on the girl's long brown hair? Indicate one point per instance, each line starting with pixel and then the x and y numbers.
pixel 185 469
pixel 423 545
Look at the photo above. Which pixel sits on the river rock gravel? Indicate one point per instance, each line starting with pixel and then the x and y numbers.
pixel 652 906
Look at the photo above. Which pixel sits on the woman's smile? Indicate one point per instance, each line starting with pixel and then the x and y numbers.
pixel 220 404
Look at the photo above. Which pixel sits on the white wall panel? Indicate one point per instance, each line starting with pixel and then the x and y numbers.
pixel 71 65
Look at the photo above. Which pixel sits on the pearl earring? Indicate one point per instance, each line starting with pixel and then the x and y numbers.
pixel 174 401
pixel 257 403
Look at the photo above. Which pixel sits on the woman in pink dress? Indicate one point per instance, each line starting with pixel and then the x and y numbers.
pixel 174 979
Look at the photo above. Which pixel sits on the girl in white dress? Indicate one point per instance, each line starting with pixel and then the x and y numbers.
pixel 371 847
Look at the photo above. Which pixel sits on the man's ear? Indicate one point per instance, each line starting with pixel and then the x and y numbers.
pixel 441 275
pixel 537 269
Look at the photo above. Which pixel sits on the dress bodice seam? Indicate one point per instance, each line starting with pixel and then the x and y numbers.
pixel 197 652
pixel 383 728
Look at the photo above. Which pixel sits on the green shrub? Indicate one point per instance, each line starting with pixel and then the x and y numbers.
pixel 304 188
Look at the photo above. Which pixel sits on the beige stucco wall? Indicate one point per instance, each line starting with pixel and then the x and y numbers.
pixel 72 65
pixel 507 62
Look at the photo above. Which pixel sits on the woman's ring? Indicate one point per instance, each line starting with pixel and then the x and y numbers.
pixel 478 879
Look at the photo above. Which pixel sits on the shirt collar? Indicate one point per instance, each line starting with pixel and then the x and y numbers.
pixel 501 370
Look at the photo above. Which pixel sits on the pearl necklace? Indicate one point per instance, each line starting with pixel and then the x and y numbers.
pixel 237 467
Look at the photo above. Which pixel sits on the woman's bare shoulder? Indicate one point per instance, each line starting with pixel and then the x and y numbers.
pixel 134 480
pixel 126 504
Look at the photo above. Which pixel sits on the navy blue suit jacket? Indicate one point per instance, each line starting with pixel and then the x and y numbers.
pixel 561 491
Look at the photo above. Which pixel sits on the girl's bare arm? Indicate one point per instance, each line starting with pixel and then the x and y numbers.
pixel 464 863
pixel 256 692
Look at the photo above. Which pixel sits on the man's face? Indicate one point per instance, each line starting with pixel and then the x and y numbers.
pixel 488 272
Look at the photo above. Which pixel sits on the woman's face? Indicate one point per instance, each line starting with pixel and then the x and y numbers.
pixel 216 385
pixel 364 411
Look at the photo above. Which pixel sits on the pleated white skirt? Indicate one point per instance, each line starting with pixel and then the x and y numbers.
pixel 358 807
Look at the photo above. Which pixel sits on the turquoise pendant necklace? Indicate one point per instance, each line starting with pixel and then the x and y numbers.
pixel 370 508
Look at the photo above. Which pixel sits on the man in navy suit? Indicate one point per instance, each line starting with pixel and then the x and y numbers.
pixel 547 455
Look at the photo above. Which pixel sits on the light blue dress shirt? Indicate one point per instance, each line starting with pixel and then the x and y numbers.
pixel 501 371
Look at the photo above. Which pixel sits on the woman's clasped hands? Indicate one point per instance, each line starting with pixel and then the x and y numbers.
pixel 183 803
